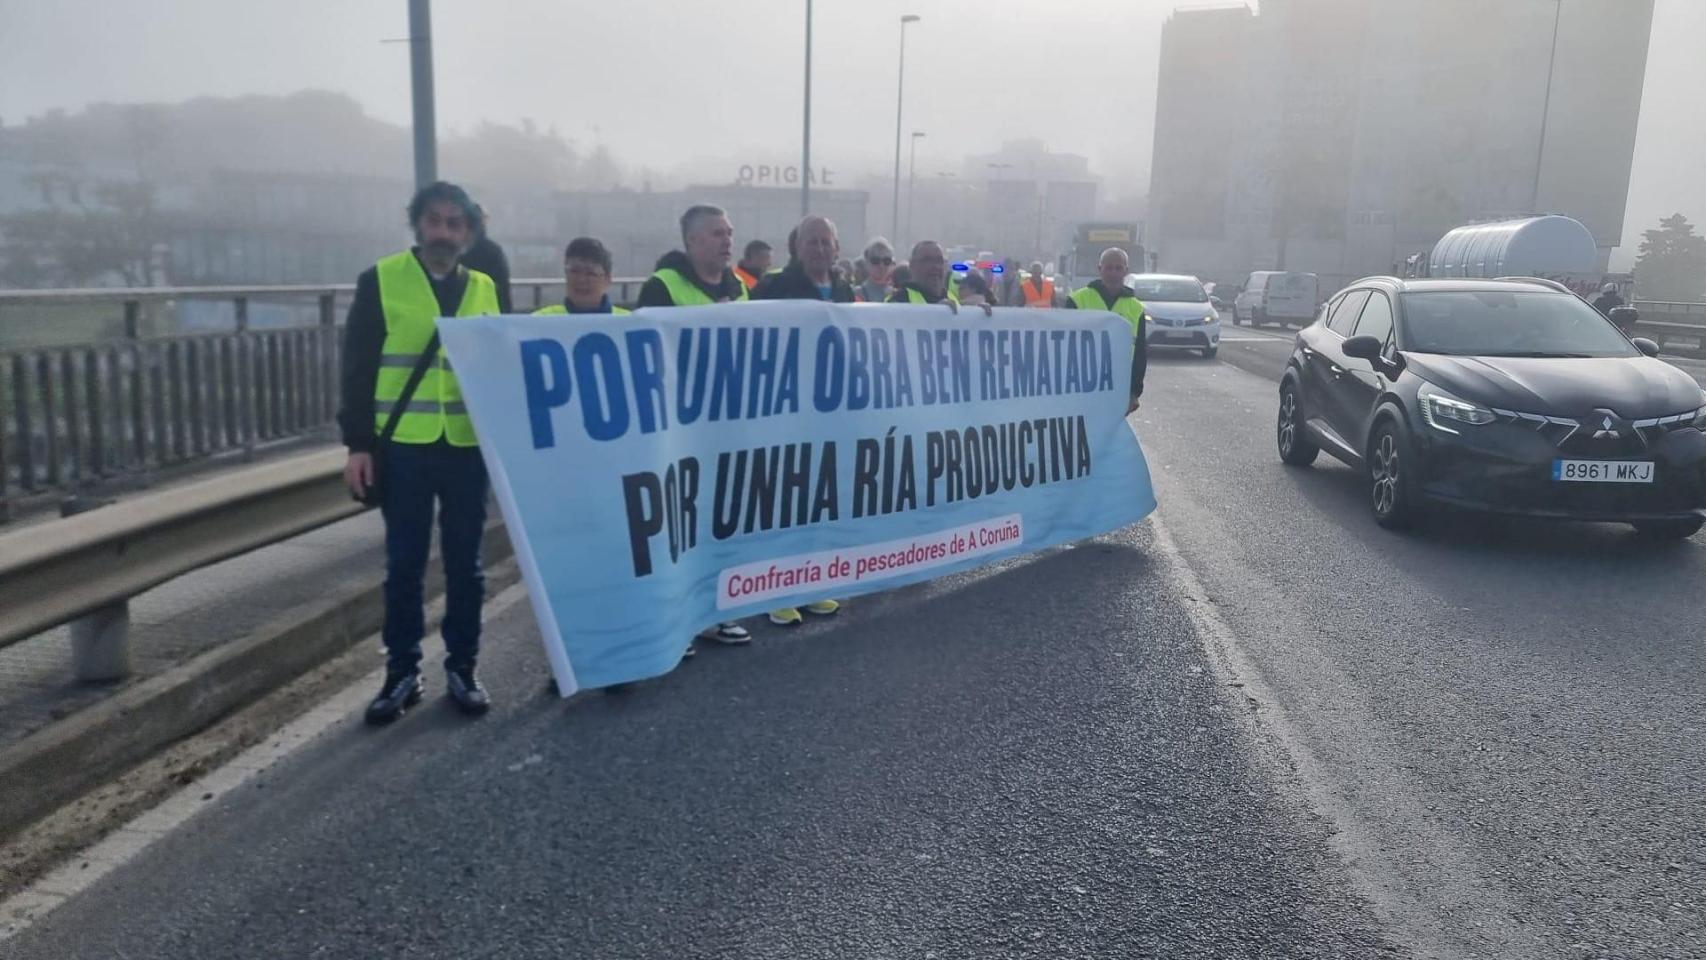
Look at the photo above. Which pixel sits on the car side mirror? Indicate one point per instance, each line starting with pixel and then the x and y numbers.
pixel 1363 348
pixel 1646 346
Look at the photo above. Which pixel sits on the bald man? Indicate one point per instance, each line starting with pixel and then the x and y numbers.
pixel 811 274
pixel 1109 292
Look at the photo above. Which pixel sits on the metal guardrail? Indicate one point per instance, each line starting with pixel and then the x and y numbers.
pixel 88 566
pixel 1678 327
pixel 74 416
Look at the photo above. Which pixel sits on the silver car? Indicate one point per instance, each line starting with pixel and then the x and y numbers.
pixel 1178 311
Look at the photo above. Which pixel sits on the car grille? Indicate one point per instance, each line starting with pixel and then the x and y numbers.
pixel 1178 322
pixel 1589 438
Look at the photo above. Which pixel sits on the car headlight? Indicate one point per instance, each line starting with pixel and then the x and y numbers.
pixel 1445 413
pixel 1700 419
pixel 1211 318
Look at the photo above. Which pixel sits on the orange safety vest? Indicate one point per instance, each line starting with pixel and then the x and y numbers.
pixel 746 278
pixel 1042 298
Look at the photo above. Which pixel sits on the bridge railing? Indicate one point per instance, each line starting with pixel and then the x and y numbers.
pixel 1678 327
pixel 84 415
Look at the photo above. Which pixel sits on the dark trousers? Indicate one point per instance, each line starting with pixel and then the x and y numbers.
pixel 416 475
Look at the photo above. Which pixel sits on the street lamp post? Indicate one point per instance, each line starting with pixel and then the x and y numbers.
pixel 911 179
pixel 899 100
pixel 420 77
pixel 806 138
pixel 1545 109
pixel 995 201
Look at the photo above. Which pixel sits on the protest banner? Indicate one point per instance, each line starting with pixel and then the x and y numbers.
pixel 669 469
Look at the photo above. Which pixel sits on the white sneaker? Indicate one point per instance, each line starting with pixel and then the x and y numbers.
pixel 731 634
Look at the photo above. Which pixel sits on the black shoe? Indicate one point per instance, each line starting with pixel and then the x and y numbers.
pixel 464 688
pixel 401 691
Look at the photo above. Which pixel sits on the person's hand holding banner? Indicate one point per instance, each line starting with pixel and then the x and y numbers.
pixel 672 468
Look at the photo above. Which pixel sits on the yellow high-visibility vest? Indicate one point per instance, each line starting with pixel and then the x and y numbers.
pixel 411 315
pixel 557 308
pixel 1130 309
pixel 684 292
pixel 914 296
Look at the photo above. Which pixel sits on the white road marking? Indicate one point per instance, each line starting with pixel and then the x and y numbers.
pixel 82 870
pixel 1352 838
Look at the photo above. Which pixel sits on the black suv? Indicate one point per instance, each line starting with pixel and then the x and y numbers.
pixel 1512 396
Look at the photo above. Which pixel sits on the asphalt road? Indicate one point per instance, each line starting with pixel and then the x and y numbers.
pixel 1479 741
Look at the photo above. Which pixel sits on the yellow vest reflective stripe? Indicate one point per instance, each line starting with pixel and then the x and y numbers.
pixel 411 311
pixel 684 292
pixel 913 296
pixel 1130 309
pixel 557 308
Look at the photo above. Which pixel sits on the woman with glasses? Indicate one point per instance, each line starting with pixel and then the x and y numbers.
pixel 586 279
pixel 879 262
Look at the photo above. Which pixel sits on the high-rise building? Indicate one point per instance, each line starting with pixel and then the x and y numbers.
pixel 1341 136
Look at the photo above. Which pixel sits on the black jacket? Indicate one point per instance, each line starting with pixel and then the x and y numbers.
pixel 1140 354
pixel 364 342
pixel 793 284
pixel 488 258
pixel 1607 302
pixel 653 293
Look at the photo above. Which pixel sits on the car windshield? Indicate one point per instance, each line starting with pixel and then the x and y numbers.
pixel 1498 323
pixel 1168 291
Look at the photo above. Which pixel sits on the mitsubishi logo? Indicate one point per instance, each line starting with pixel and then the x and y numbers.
pixel 1608 429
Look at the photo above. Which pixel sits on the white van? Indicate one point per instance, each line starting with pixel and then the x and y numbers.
pixel 1279 297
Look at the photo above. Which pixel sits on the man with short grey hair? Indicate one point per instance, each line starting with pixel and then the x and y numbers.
pixel 699 274
pixel 879 261
pixel 1109 292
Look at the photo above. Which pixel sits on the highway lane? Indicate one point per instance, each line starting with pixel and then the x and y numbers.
pixel 1034 760
pixel 1507 714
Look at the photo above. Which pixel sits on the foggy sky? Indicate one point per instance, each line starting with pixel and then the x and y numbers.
pixel 699 87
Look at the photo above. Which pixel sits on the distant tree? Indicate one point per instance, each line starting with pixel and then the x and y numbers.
pixel 1672 265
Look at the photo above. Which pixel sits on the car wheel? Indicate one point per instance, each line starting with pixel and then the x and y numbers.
pixel 1257 317
pixel 1295 447
pixel 1391 493
pixel 1669 529
pixel 1237 318
pixel 1209 352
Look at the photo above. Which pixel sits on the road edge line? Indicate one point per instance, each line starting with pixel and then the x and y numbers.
pixel 85 868
pixel 1242 683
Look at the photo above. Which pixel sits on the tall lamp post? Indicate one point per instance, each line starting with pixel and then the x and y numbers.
pixel 420 77
pixel 899 99
pixel 806 138
pixel 911 180
pixel 1545 109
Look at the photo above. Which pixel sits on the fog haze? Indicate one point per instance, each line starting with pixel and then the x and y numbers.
pixel 690 90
